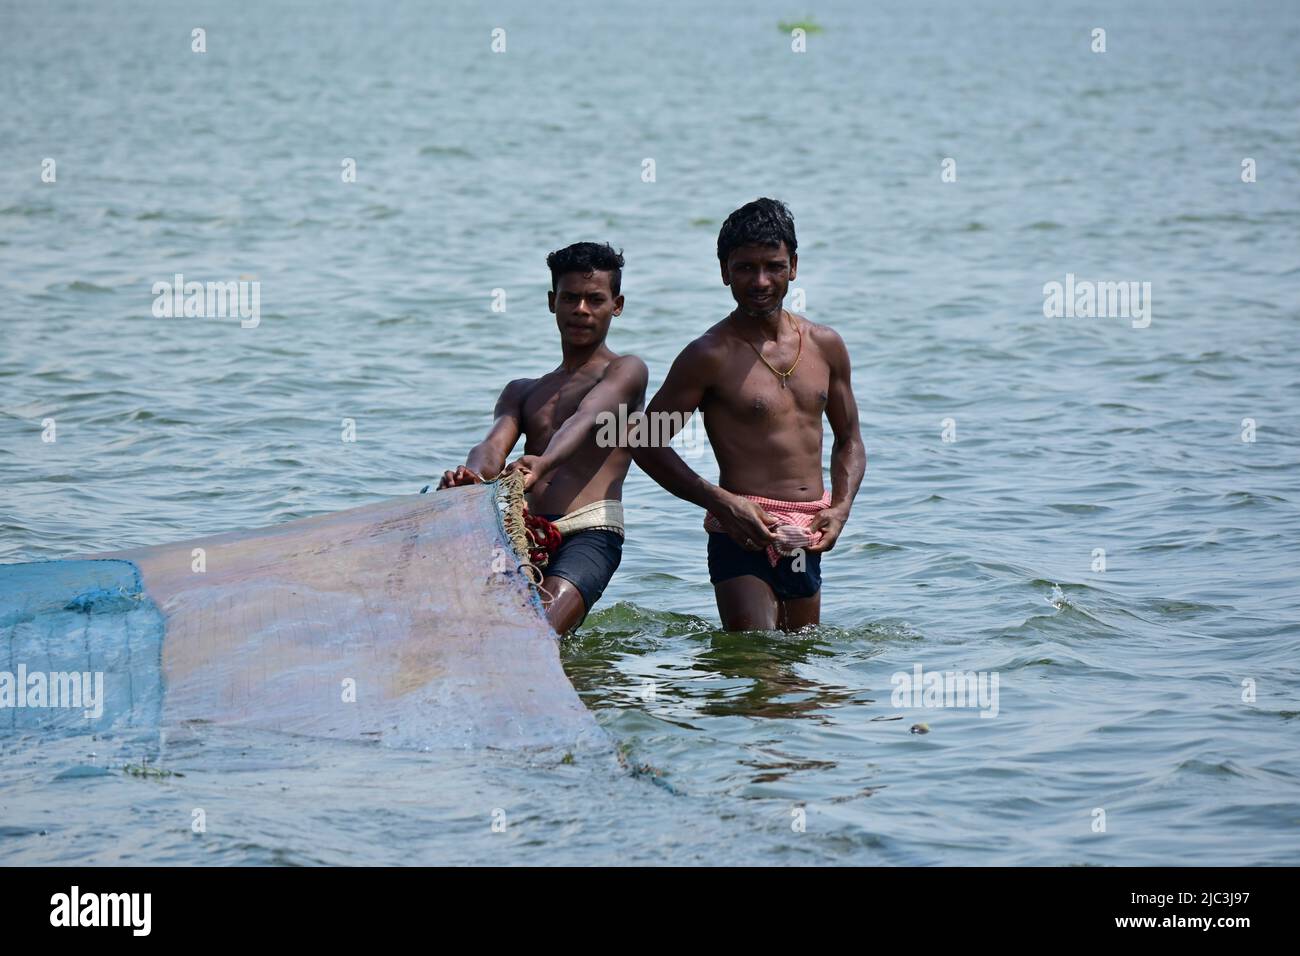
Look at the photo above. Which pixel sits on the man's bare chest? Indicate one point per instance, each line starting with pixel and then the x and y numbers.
pixel 748 391
pixel 550 405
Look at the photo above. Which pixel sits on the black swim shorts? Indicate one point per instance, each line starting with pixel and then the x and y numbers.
pixel 587 560
pixel 729 560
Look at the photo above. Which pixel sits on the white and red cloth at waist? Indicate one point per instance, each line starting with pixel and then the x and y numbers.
pixel 795 517
pixel 545 536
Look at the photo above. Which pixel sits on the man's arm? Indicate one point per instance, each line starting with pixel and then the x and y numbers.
pixel 623 383
pixel 679 397
pixel 848 453
pixel 486 458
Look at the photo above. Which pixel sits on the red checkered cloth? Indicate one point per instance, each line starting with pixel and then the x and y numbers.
pixel 800 514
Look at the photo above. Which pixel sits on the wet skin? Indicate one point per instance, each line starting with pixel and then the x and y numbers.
pixel 563 466
pixel 767 439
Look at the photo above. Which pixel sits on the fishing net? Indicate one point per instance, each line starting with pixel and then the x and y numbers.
pixel 411 622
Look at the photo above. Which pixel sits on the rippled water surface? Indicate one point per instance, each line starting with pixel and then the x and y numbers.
pixel 1120 689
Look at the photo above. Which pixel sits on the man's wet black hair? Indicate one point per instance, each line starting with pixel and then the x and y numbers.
pixel 587 257
pixel 763 222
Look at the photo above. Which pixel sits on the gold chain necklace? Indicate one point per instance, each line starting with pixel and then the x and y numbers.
pixel 783 376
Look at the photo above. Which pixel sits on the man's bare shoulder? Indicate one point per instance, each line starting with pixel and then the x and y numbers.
pixel 513 396
pixel 827 340
pixel 627 366
pixel 518 387
pixel 628 375
pixel 709 349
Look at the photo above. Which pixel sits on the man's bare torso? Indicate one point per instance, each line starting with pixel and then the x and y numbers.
pixel 591 474
pixel 767 439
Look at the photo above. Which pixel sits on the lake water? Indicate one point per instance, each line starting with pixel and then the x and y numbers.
pixel 1004 448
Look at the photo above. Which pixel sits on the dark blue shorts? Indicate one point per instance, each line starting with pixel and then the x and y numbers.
pixel 729 560
pixel 587 560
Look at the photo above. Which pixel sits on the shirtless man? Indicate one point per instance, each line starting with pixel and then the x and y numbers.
pixel 568 477
pixel 763 378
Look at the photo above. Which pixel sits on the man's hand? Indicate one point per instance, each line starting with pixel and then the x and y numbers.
pixel 463 475
pixel 533 467
pixel 830 523
pixel 745 522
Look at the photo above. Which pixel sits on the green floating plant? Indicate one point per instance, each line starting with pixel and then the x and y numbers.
pixel 808 25
pixel 144 770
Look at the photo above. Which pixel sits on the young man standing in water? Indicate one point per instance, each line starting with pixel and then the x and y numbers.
pixel 762 378
pixel 568 477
